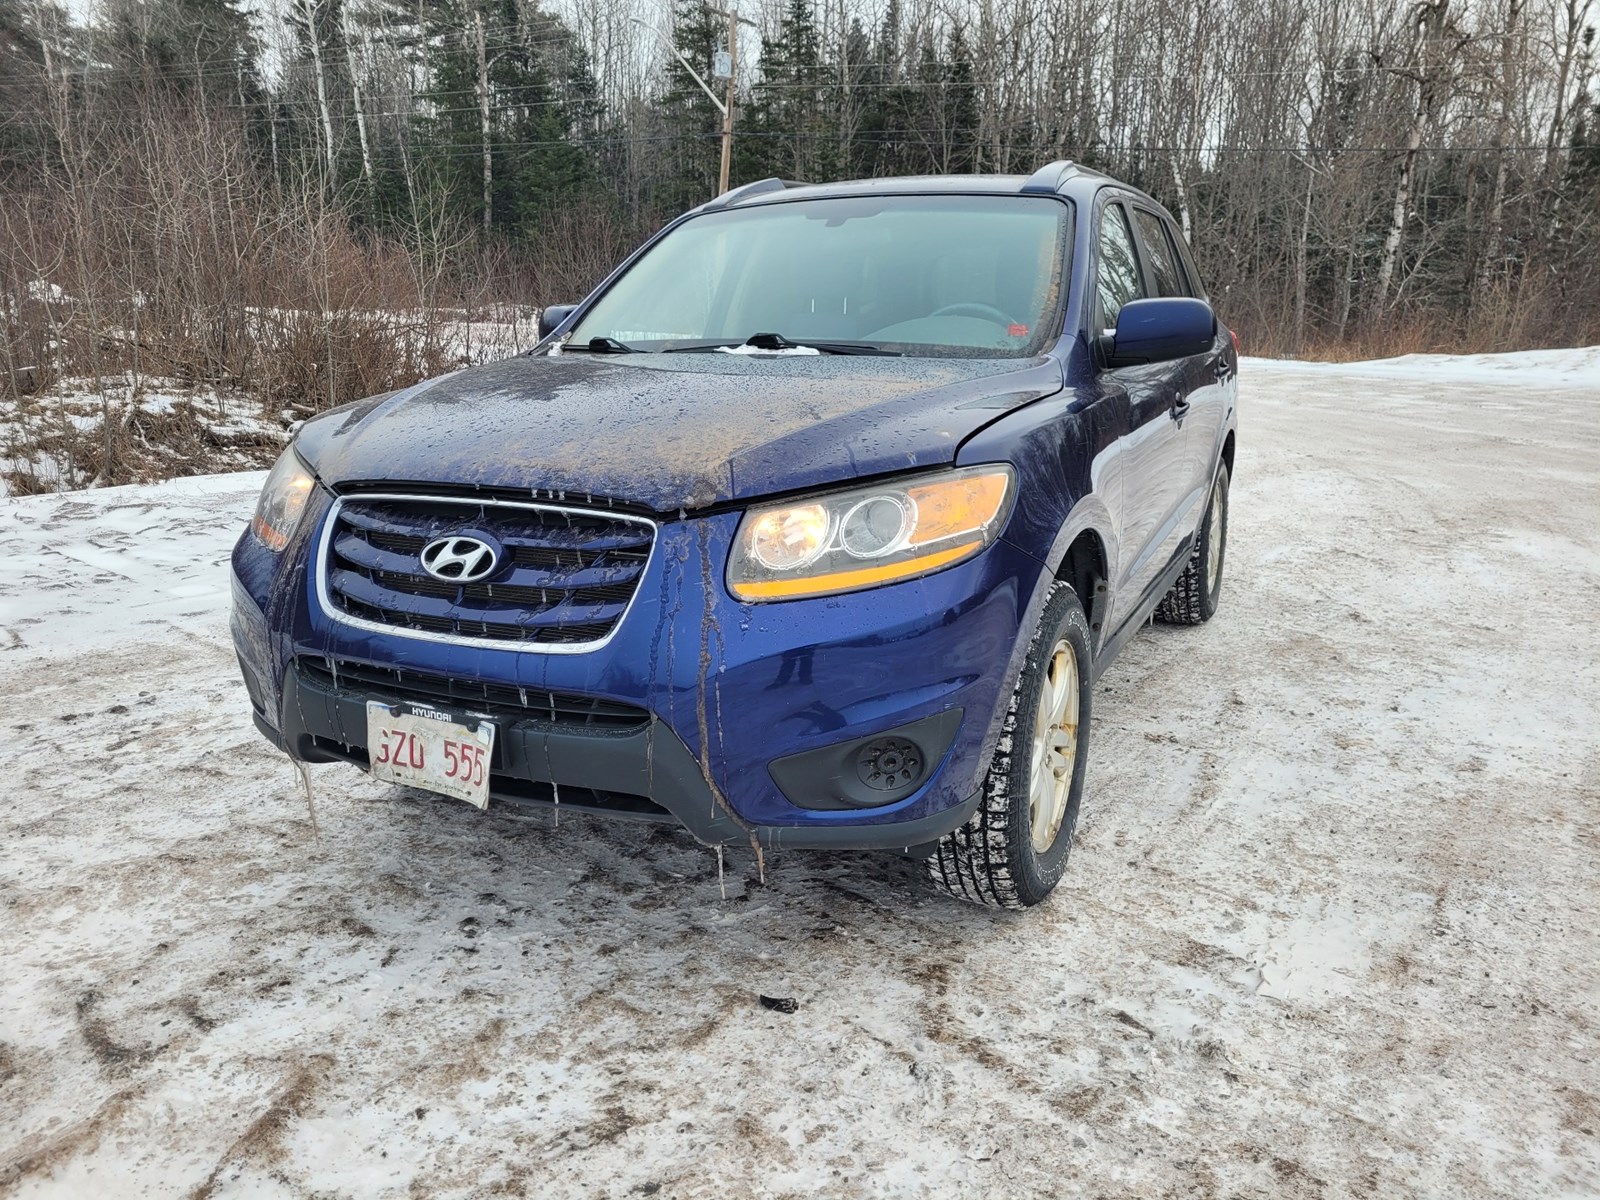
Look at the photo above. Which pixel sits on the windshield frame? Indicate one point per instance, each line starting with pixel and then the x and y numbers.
pixel 1050 330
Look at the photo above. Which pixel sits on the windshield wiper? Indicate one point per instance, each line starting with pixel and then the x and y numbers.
pixel 776 341
pixel 601 345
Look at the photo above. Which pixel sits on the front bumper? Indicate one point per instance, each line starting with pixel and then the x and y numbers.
pixel 764 682
pixel 645 774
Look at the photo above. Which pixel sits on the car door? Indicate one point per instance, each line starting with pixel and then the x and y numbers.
pixel 1215 388
pixel 1153 456
pixel 1207 377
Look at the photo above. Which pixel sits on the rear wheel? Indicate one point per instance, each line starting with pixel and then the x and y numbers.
pixel 1012 853
pixel 1194 596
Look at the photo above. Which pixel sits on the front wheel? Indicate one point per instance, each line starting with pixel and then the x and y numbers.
pixel 1193 598
pixel 1013 850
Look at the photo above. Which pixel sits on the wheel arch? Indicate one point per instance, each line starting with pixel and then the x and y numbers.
pixel 1083 556
pixel 1085 568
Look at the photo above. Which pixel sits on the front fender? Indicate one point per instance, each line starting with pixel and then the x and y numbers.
pixel 1064 453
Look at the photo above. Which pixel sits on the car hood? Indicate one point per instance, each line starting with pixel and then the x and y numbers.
pixel 671 431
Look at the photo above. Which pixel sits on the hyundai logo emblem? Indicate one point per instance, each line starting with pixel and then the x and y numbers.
pixel 457 559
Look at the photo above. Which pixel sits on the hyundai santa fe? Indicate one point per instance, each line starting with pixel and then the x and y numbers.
pixel 812 526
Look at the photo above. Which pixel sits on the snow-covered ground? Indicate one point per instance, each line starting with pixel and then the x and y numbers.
pixel 1331 927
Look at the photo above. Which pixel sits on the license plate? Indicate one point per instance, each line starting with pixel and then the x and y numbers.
pixel 421 747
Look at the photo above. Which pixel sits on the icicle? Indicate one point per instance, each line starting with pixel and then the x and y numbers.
pixel 555 790
pixel 722 881
pixel 305 779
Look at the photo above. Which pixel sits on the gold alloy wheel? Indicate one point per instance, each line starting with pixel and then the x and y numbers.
pixel 1214 538
pixel 1055 747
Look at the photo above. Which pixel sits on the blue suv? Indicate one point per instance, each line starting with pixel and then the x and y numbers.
pixel 811 527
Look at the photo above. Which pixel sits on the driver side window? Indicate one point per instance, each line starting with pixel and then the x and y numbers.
pixel 1119 279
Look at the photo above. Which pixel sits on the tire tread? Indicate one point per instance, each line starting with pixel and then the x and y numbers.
pixel 1190 600
pixel 973 862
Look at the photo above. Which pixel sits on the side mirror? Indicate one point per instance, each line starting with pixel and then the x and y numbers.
pixel 1160 330
pixel 552 316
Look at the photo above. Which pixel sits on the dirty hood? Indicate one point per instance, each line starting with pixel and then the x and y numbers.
pixel 671 431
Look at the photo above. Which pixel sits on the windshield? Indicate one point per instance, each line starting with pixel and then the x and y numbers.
pixel 925 275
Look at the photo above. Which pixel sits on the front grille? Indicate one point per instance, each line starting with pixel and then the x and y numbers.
pixel 564 579
pixel 505 701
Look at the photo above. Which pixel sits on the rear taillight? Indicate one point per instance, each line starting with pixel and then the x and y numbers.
pixel 1235 338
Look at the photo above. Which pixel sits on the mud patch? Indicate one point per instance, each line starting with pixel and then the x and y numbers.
pixel 117 1059
pixel 262 1140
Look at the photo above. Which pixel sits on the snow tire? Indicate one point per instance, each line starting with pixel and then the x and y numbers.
pixel 1193 599
pixel 991 859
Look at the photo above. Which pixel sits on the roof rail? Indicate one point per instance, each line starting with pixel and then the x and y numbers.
pixel 1049 178
pixel 758 188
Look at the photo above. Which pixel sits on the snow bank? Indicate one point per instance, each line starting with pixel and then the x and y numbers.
pixel 1577 368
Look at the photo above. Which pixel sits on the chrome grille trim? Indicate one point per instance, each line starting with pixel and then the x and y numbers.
pixel 330 529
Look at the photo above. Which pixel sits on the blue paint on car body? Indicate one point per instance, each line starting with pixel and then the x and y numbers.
pixel 616 658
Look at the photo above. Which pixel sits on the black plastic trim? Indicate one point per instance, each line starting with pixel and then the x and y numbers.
pixel 608 771
pixel 826 778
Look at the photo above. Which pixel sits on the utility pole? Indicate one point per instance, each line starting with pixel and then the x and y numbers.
pixel 727 109
pixel 724 106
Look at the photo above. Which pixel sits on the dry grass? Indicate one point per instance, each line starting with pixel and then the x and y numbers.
pixel 1420 333
pixel 165 261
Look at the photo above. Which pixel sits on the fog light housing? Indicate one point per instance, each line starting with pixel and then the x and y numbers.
pixel 888 764
pixel 867 772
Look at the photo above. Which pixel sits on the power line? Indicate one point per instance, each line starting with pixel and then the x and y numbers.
pixel 1024 124
pixel 870 137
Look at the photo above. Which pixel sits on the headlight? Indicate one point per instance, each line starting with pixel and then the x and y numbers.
pixel 283 500
pixel 868 536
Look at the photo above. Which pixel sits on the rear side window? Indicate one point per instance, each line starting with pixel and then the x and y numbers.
pixel 1119 280
pixel 1164 268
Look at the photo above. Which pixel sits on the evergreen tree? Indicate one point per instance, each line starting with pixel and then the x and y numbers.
pixel 188 47
pixel 884 144
pixel 521 87
pixel 383 54
pixel 794 118
pixel 552 111
pixel 22 85
pixel 1583 171
pixel 956 114
pixel 691 124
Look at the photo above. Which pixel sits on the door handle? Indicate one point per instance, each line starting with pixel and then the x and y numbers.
pixel 1180 408
pixel 1222 370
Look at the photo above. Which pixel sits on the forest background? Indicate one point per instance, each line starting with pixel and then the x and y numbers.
pixel 297 203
